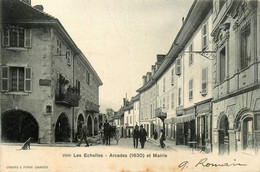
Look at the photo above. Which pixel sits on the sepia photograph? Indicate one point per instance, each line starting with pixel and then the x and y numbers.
pixel 130 85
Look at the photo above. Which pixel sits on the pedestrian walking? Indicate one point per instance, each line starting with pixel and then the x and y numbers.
pixel 117 136
pixel 107 132
pixel 136 136
pixel 142 136
pixel 155 135
pixel 162 138
pixel 84 132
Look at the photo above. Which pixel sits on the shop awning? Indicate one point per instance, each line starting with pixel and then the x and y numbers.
pixel 184 118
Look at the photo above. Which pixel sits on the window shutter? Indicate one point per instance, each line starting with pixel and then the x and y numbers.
pixel 28 79
pixel 27 37
pixel 68 56
pixel 190 89
pixel 178 66
pixel 172 77
pixel 6 37
pixel 204 81
pixel 5 78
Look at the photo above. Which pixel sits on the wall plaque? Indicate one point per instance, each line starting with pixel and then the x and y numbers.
pixel 45 82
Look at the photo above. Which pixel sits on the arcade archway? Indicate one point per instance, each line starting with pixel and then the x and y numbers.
pixel 89 124
pixel 18 126
pixel 62 130
pixel 223 135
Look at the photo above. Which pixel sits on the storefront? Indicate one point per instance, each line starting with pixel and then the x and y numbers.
pixel 185 127
pixel 203 125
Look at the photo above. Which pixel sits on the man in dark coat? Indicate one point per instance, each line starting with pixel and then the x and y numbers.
pixel 162 138
pixel 142 136
pixel 155 135
pixel 136 136
pixel 84 132
pixel 107 132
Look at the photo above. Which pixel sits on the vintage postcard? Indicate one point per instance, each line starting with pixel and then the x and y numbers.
pixel 130 86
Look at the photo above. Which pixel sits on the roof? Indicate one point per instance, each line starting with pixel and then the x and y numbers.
pixel 16 11
pixel 197 13
pixel 118 115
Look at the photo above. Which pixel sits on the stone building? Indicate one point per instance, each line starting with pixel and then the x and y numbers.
pixel 43 94
pixel 236 93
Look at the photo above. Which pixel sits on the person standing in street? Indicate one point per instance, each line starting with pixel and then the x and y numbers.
pixel 117 136
pixel 142 136
pixel 107 132
pixel 136 136
pixel 155 135
pixel 84 132
pixel 162 138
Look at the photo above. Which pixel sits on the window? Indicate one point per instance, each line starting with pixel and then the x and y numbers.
pixel 222 66
pixel 245 47
pixel 77 87
pixel 205 36
pixel 16 79
pixel 204 81
pixel 191 54
pixel 178 66
pixel 87 77
pixel 58 47
pixel 191 89
pixel 163 84
pixel 172 77
pixel 172 103
pixel 163 102
pixel 48 109
pixel 68 56
pixel 157 90
pixel 179 100
pixel 217 5
pixel 17 37
pixel 128 111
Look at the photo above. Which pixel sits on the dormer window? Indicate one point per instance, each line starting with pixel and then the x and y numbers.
pixel 16 37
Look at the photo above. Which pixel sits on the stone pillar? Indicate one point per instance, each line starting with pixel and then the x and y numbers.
pixel 232 141
pixel 215 136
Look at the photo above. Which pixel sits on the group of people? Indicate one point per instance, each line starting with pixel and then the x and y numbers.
pixel 139 134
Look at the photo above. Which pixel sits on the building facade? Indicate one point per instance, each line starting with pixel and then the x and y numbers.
pixel 42 94
pixel 236 94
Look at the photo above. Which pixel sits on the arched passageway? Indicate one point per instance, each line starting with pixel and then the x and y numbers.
pixel 89 124
pixel 18 126
pixel 62 130
pixel 223 135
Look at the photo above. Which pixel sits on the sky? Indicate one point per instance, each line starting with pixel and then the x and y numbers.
pixel 120 38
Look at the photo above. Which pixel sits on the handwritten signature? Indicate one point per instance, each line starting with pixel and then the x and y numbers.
pixel 203 163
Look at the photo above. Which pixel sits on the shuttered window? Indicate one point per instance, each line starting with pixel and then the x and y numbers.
pixel 27 37
pixel 5 78
pixel 191 54
pixel 205 36
pixel 178 66
pixel 191 89
pixel 28 79
pixel 204 83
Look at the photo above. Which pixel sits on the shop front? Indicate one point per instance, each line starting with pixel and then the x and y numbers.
pixel 185 127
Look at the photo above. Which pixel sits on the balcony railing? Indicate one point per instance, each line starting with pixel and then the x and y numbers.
pixel 68 98
pixel 159 113
pixel 92 107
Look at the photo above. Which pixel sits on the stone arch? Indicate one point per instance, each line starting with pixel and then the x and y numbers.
pixel 96 125
pixel 90 124
pixel 223 135
pixel 18 126
pixel 62 129
pixel 244 125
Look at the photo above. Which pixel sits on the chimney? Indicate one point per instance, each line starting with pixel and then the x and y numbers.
pixel 144 80
pixel 153 69
pixel 160 57
pixel 39 7
pixel 124 101
pixel 27 1
pixel 148 76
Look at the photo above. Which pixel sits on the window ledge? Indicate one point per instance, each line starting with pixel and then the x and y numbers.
pixel 17 93
pixel 17 48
